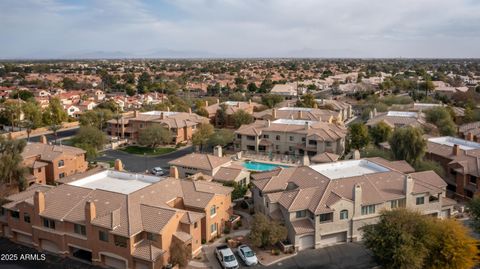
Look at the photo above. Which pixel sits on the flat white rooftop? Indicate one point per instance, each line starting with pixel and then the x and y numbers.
pixel 293 122
pixel 450 141
pixel 350 168
pixel 296 108
pixel 158 113
pixel 116 181
pixel 231 103
pixel 425 105
pixel 404 114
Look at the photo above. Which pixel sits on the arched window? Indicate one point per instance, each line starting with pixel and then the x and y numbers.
pixel 344 214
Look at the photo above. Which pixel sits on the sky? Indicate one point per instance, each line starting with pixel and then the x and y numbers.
pixel 239 28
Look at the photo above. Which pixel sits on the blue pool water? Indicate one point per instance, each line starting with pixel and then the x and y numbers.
pixel 257 166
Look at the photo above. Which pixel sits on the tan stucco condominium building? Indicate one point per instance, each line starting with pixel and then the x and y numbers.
pixel 48 163
pixel 300 113
pixel 293 137
pixel 181 124
pixel 330 203
pixel 117 219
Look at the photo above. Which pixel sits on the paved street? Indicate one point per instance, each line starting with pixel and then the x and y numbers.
pixel 343 256
pixel 60 135
pixel 138 163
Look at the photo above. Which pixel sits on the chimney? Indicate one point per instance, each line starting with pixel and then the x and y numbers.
pixel 356 154
pixel 470 136
pixel 456 150
pixel 238 104
pixel 300 114
pixel 135 113
pixel 370 115
pixel 43 139
pixel 118 165
pixel 267 123
pixel 408 188
pixel 374 111
pixel 307 125
pixel 168 109
pixel 162 116
pixel 315 105
pixel 218 101
pixel 90 211
pixel 249 101
pixel 305 160
pixel 274 113
pixel 189 110
pixel 206 103
pixel 174 172
pixel 39 202
pixel 217 151
pixel 357 200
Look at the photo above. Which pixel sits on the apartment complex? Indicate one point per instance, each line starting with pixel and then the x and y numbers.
pixel 48 163
pixel 344 108
pixel 117 219
pixel 230 108
pixel 397 119
pixel 461 161
pixel 329 203
pixel 181 124
pixel 293 137
pixel 300 113
pixel 470 131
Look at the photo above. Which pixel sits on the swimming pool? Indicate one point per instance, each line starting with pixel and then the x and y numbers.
pixel 258 166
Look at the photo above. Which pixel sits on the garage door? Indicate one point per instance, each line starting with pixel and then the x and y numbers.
pixel 335 238
pixel 50 246
pixel 114 262
pixel 26 239
pixel 141 265
pixel 445 213
pixel 306 242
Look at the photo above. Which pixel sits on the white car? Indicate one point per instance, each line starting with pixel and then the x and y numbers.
pixel 157 171
pixel 247 255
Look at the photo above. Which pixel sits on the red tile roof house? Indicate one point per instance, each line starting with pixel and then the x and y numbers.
pixel 461 160
pixel 117 219
pixel 329 203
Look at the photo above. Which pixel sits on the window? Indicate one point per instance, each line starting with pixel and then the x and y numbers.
pixel 368 209
pixel 250 137
pixel 400 203
pixel 433 199
pixel 327 217
pixel 61 175
pixel 304 139
pixel 2 211
pixel 277 137
pixel 152 237
pixel 103 236
pixel 120 241
pixel 312 142
pixel 26 217
pixel 213 211
pixel 137 238
pixel 344 214
pixel 239 136
pixel 79 229
pixel 213 228
pixel 141 126
pixel 290 138
pixel 277 147
pixel 195 225
pixel 49 223
pixel 250 147
pixel 266 136
pixel 15 214
pixel 420 200
pixel 301 214
pixel 473 179
pixel 39 170
pixel 328 143
pixel 61 163
pixel 290 149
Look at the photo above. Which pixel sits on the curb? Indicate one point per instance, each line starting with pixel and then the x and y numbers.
pixel 279 260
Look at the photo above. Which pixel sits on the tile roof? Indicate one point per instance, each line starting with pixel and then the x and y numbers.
pixel 227 174
pixel 200 161
pixel 49 152
pixel 302 226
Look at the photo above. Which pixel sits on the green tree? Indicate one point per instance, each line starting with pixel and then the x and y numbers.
pixel 12 171
pixel 221 115
pixel 202 112
pixel 406 239
pixel 54 116
pixel 265 232
pixel 25 95
pixel 408 144
pixel 469 115
pixel 221 137
pixel 110 105
pixel 474 210
pixel 358 136
pixel 90 139
pixel 241 117
pixel 33 114
pixel 202 134
pixel 307 100
pixel 442 118
pixel 271 100
pixel 10 114
pixel 144 81
pixel 252 87
pixel 380 132
pixel 97 117
pixel 154 135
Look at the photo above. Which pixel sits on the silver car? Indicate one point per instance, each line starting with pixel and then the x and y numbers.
pixel 247 255
pixel 157 171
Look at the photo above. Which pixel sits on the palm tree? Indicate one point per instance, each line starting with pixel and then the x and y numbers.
pixel 28 125
pixel 117 116
pixel 54 128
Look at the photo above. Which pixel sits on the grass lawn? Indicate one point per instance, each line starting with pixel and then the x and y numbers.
pixel 148 151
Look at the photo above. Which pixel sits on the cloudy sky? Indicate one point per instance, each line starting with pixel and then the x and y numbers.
pixel 239 28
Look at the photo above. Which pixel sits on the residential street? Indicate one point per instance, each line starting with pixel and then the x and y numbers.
pixel 138 163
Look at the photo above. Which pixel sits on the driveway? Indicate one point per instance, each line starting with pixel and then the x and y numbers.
pixel 138 163
pixel 343 256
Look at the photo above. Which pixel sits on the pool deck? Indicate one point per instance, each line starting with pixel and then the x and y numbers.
pixel 239 163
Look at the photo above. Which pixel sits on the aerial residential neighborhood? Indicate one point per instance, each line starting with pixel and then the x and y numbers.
pixel 239 134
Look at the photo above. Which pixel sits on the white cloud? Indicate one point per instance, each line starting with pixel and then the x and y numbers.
pixel 368 28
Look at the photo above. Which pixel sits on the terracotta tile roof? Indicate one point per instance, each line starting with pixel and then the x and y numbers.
pixel 325 157
pixel 17 198
pixel 191 217
pixel 200 161
pixel 49 152
pixel 227 174
pixel 147 251
pixel 182 236
pixel 302 226
pixel 401 166
pixel 154 219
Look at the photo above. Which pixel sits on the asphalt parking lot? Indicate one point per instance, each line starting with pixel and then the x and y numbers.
pixel 139 163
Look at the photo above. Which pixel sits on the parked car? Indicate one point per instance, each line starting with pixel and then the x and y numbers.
pixel 247 255
pixel 226 258
pixel 158 171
